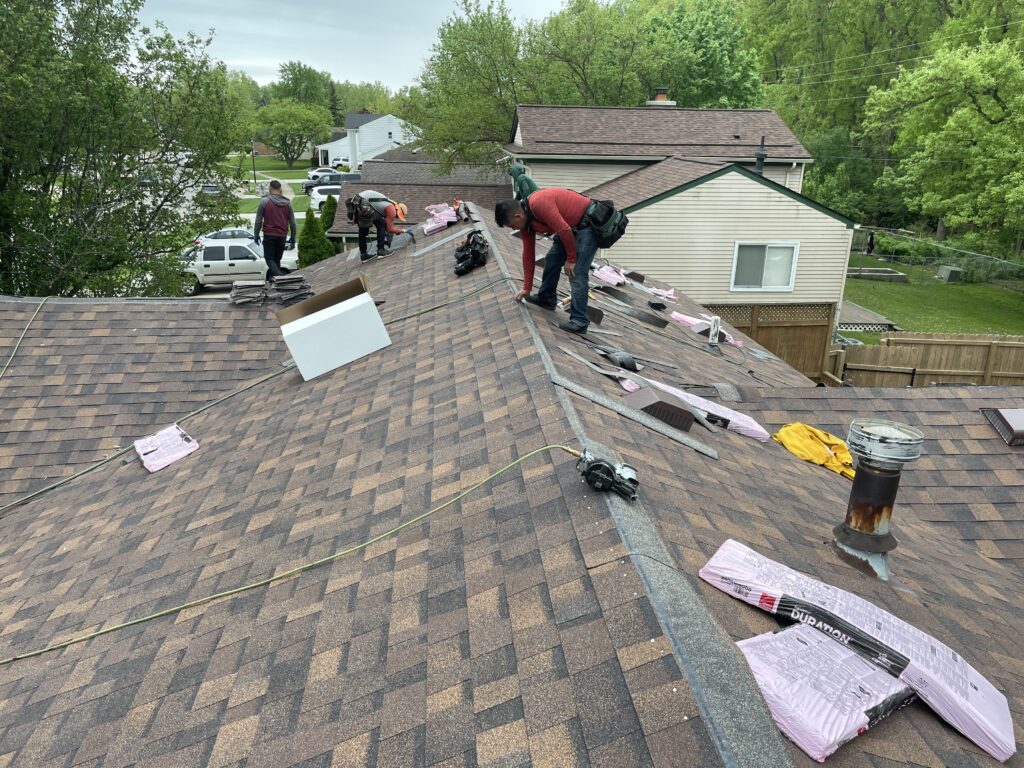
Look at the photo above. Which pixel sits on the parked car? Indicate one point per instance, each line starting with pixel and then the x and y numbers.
pixel 339 161
pixel 330 178
pixel 231 233
pixel 212 190
pixel 318 196
pixel 222 262
pixel 316 173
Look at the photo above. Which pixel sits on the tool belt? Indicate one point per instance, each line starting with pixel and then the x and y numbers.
pixel 608 223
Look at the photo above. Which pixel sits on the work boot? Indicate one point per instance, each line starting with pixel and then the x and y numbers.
pixel 532 298
pixel 385 252
pixel 366 257
pixel 571 327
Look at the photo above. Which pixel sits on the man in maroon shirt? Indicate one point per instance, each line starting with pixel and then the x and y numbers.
pixel 561 212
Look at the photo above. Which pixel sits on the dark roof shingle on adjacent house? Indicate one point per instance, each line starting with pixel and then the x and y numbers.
pixel 355 120
pixel 525 624
pixel 652 132
pixel 652 180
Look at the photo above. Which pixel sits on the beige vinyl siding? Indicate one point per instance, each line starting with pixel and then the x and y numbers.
pixel 688 241
pixel 786 174
pixel 578 176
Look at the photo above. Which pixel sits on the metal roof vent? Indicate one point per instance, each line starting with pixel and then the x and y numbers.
pixel 660 99
pixel 1009 423
pixel 882 449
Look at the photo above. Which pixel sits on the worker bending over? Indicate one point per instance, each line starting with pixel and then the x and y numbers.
pixel 373 209
pixel 560 212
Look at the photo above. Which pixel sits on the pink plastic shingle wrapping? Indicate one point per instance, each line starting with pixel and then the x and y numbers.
pixel 690 321
pixel 610 275
pixel 165 447
pixel 669 295
pixel 441 215
pixel 939 675
pixel 821 693
pixel 739 423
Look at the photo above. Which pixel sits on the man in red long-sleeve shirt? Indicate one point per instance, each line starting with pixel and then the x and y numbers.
pixel 561 212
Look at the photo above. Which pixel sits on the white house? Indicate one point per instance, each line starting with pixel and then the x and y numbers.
pixel 335 151
pixel 370 135
pixel 707 215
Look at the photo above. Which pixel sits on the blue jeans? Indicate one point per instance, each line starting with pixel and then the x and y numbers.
pixel 579 283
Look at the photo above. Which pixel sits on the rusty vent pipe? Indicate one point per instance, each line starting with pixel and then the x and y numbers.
pixel 882 449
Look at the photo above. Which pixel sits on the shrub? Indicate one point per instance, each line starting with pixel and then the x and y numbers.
pixel 313 243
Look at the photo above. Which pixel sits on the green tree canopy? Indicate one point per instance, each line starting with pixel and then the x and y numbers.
pixel 108 132
pixel 290 127
pixel 591 52
pixel 303 84
pixel 958 125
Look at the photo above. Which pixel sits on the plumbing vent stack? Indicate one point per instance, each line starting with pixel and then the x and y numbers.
pixel 882 449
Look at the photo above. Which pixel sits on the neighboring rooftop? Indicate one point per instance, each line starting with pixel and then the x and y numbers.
pixel 651 132
pixel 652 180
pixel 532 622
pixel 354 120
pixel 427 172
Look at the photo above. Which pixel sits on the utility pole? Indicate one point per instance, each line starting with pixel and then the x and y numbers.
pixel 252 142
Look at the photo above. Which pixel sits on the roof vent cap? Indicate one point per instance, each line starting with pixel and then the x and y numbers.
pixel 885 444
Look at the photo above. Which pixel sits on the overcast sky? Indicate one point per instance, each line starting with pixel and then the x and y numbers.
pixel 357 41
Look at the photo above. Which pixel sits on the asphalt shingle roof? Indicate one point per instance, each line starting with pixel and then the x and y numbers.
pixel 652 180
pixel 653 131
pixel 518 626
pixel 90 376
pixel 417 172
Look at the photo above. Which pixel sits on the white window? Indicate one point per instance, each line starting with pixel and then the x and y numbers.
pixel 766 266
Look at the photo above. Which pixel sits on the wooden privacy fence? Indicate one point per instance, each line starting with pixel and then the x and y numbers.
pixel 920 359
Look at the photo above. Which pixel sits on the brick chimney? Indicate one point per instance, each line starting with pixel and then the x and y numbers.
pixel 660 99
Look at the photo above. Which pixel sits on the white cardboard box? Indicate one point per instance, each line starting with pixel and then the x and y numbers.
pixel 333 328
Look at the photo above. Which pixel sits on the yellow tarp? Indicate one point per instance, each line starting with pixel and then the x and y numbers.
pixel 817 447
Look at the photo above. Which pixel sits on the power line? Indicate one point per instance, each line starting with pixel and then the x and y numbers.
pixel 901 47
pixel 825 77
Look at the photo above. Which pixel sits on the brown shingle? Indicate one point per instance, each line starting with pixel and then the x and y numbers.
pixel 653 132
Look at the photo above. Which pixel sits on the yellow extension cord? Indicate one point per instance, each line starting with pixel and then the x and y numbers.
pixel 293 571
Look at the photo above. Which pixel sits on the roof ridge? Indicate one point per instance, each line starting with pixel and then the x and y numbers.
pixel 661 109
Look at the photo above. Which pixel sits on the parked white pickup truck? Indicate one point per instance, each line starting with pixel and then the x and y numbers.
pixel 222 262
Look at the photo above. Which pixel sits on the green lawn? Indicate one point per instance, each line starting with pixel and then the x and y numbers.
pixel 928 305
pixel 250 204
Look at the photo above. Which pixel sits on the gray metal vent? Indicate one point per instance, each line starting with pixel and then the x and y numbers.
pixel 1009 423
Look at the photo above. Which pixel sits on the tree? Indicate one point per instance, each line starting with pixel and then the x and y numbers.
pixel 705 59
pixel 353 97
pixel 313 243
pixel 327 215
pixel 290 127
pixel 304 84
pixel 594 53
pixel 467 93
pixel 958 121
pixel 93 106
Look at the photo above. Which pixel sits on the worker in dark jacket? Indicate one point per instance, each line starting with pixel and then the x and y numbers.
pixel 373 209
pixel 276 219
pixel 560 212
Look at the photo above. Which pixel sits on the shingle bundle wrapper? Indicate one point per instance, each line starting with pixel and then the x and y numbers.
pixel 820 692
pixel 939 676
pixel 165 447
pixel 248 292
pixel 441 216
pixel 739 423
pixel 291 288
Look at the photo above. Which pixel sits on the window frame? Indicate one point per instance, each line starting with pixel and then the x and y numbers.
pixel 794 244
